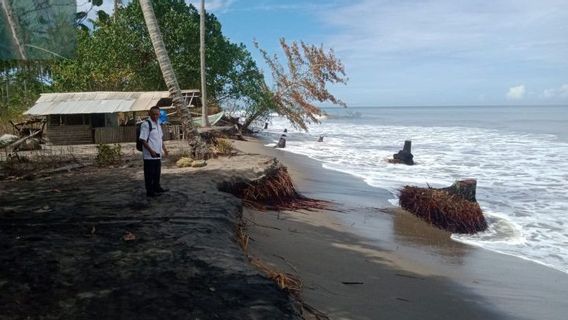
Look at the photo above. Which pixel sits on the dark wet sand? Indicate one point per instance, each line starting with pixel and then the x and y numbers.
pixel 394 266
pixel 64 253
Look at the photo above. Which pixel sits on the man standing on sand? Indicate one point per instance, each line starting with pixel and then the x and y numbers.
pixel 151 137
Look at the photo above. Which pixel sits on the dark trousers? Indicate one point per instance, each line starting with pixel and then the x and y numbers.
pixel 152 171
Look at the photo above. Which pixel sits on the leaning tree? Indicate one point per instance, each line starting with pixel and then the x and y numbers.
pixel 199 148
pixel 301 82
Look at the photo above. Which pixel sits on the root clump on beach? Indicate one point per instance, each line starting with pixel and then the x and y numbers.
pixel 443 209
pixel 273 191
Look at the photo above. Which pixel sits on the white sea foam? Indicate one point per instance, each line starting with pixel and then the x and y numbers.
pixel 522 177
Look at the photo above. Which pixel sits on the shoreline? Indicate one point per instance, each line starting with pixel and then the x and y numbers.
pixel 362 260
pixel 488 284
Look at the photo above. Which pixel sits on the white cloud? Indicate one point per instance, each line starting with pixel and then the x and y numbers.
pixel 447 28
pixel 561 92
pixel 516 93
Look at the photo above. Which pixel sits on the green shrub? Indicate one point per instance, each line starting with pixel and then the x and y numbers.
pixel 108 155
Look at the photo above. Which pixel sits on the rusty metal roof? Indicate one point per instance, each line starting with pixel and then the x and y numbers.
pixel 98 102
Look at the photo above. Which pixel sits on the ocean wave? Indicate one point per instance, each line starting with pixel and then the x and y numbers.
pixel 521 176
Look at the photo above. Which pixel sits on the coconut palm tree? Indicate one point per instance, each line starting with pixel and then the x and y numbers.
pixel 205 121
pixel 189 132
pixel 13 26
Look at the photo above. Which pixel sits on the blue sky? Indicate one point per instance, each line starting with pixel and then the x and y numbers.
pixel 428 52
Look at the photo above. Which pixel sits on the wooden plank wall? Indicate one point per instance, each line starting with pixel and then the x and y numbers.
pixel 68 135
pixel 172 132
pixel 115 135
pixel 83 134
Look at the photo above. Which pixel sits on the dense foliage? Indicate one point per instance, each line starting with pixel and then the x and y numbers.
pixel 20 85
pixel 115 54
pixel 118 54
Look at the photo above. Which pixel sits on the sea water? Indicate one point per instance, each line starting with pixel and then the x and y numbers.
pixel 518 154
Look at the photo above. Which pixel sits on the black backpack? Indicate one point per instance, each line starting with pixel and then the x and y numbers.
pixel 139 145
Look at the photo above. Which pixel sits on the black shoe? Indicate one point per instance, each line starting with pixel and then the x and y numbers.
pixel 162 190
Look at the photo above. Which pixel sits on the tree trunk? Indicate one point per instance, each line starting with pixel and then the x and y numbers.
pixel 117 3
pixel 189 132
pixel 14 30
pixel 407 146
pixel 404 156
pixel 250 120
pixel 205 120
pixel 464 189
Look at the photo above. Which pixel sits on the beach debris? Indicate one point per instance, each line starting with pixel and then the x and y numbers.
pixel 351 282
pixel 282 141
pixel 198 164
pixel 184 162
pixel 463 188
pixel 273 191
pixel 285 281
pixel 320 139
pixel 128 236
pixel 405 155
pixel 224 147
pixel 286 261
pixel 242 236
pixel 453 209
pixel 7 139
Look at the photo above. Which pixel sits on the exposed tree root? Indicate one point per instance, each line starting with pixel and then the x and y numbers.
pixel 442 209
pixel 274 191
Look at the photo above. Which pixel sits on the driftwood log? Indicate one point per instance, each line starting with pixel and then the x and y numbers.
pixel 453 208
pixel 405 155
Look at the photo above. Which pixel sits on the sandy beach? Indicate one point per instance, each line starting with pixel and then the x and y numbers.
pixel 88 244
pixel 67 251
pixel 373 261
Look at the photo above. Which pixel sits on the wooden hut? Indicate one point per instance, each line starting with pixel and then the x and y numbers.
pixel 101 117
